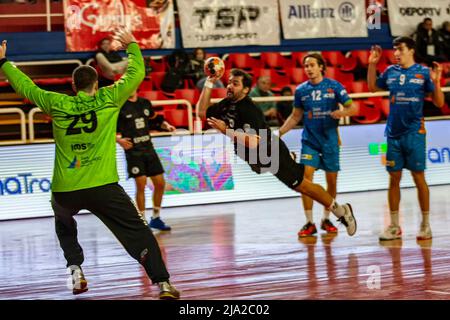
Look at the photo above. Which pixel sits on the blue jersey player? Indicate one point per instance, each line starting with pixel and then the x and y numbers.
pixel 408 83
pixel 317 101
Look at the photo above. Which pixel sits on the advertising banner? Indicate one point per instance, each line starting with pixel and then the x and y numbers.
pixel 306 19
pixel 216 23
pixel 88 21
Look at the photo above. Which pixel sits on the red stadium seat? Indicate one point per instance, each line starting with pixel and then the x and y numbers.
pixel 362 56
pixel 389 56
pixel 335 73
pixel 298 57
pixel 152 95
pixel 177 117
pixel 349 64
pixel 297 75
pixel 274 60
pixel 243 61
pixel 157 78
pixel 209 55
pixel 367 112
pixel 190 95
pixel 146 85
pixel 226 76
pixel 357 86
pixel 158 65
pixel 445 110
pixel 218 92
pixel 382 65
pixel 333 58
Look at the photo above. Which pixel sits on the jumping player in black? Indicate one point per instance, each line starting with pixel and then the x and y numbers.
pixel 240 119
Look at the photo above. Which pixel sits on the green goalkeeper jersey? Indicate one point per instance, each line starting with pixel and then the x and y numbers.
pixel 84 127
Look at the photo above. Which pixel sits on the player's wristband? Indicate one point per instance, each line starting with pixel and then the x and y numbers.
pixel 2 61
pixel 209 84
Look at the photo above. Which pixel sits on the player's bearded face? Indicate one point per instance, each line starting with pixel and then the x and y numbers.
pixel 403 55
pixel 312 68
pixel 235 88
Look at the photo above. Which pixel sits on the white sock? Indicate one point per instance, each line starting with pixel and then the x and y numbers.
pixel 395 218
pixel 156 211
pixel 309 216
pixel 326 214
pixel 337 209
pixel 425 218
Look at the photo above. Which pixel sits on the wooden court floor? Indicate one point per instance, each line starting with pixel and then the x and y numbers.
pixel 244 250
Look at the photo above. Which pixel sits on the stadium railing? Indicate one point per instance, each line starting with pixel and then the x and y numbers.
pixel 192 128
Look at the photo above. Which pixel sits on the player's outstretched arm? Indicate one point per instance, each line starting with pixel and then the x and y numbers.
pixel 135 73
pixel 204 101
pixel 437 95
pixel 374 58
pixel 291 121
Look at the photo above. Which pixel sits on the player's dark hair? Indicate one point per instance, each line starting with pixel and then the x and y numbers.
pixel 409 42
pixel 84 78
pixel 246 78
pixel 320 60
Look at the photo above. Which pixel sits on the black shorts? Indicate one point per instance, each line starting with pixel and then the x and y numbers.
pixel 143 163
pixel 287 171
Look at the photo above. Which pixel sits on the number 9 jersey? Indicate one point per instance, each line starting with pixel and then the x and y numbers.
pixel 407 92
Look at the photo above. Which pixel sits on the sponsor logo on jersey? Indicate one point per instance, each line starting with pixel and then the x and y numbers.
pixel 81 147
pixel 75 164
pixel 417 81
pixel 141 139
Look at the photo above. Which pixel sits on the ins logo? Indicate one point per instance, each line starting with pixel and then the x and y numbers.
pixel 22 184
pixel 347 11
pixel 80 147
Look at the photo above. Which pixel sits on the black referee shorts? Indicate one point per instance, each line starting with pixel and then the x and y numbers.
pixel 143 163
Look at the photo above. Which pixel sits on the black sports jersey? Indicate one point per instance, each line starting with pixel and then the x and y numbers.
pixel 245 115
pixel 134 122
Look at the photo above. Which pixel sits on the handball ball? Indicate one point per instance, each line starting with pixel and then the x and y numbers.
pixel 214 67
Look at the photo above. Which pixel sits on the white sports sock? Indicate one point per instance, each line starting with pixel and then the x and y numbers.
pixel 309 216
pixel 425 218
pixel 395 218
pixel 156 212
pixel 337 209
pixel 326 214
